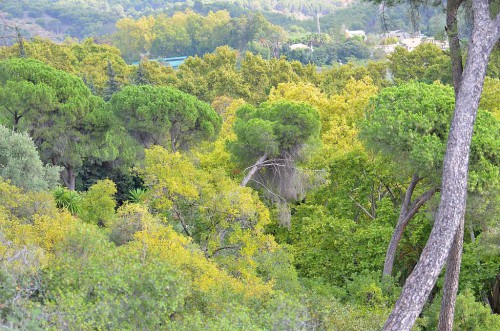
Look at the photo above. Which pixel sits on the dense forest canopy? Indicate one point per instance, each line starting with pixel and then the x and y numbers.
pixel 253 187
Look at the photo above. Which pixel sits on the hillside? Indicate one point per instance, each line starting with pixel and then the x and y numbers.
pixel 76 18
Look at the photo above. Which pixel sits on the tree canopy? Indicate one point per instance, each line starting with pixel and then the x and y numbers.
pixel 21 164
pixel 55 108
pixel 165 115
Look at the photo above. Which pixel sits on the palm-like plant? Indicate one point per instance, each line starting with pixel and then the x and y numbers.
pixel 136 195
pixel 66 199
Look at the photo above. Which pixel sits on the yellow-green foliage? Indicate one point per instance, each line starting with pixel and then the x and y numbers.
pixel 225 219
pixel 148 280
pixel 98 203
pixel 131 218
pixel 489 98
pixel 216 155
pixel 205 277
pixel 85 59
pixel 339 113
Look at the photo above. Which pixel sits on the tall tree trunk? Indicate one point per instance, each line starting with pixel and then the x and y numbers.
pixel 454 41
pixel 454 186
pixel 254 169
pixel 450 288
pixel 408 210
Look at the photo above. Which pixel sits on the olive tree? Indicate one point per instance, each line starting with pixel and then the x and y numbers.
pixel 21 164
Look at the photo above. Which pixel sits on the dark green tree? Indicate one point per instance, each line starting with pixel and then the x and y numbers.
pixel 165 116
pixel 410 124
pixel 273 135
pixel 56 109
pixel 140 76
pixel 112 85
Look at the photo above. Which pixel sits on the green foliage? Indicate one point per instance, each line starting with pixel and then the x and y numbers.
pixel 485 153
pixel 212 75
pixel 274 128
pixel 59 122
pixel 165 116
pixel 192 249
pixel 97 205
pixel 489 98
pixel 226 220
pixel 67 199
pixel 334 249
pixel 136 195
pixel 426 63
pixel 470 315
pixel 86 59
pixel 21 164
pixel 333 81
pixel 130 219
pixel 112 85
pixel 88 275
pixel 410 123
pixel 480 265
pixel 366 289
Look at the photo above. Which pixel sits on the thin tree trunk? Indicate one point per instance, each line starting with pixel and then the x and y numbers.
pixel 454 41
pixel 404 218
pixel 450 288
pixel 494 297
pixel 454 186
pixel 183 222
pixel 69 177
pixel 253 170
pixel 400 226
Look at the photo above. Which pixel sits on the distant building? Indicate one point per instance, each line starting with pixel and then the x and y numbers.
pixel 400 34
pixel 411 43
pixel 173 62
pixel 355 33
pixel 444 45
pixel 388 49
pixel 299 46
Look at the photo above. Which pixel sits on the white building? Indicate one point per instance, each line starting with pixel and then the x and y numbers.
pixel 299 46
pixel 355 33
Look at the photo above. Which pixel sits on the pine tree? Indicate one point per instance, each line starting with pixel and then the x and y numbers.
pixel 112 85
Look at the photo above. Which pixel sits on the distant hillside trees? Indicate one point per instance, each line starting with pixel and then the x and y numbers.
pixel 189 33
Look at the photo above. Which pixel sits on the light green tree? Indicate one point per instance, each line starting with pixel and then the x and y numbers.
pixel 21 164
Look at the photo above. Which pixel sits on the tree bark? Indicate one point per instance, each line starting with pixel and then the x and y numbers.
pixel 69 177
pixel 450 288
pixel 407 213
pixel 454 41
pixel 494 297
pixel 454 185
pixel 254 169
